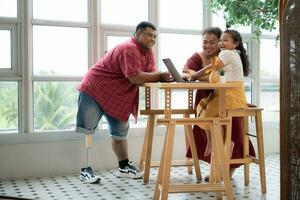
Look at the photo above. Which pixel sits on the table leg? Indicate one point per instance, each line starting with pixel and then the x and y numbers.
pixel 222 158
pixel 168 162
pixel 161 168
pixel 145 160
pixel 191 139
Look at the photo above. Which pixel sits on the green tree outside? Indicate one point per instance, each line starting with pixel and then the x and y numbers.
pixel 8 106
pixel 55 105
pixel 263 14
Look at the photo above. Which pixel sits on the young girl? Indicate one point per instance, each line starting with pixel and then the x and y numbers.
pixel 234 61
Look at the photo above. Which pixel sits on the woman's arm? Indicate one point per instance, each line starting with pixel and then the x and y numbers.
pixel 202 74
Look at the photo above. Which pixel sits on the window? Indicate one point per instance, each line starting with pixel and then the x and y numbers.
pixel 9 80
pixel 5 49
pixel 169 48
pixel 42 62
pixel 60 57
pixel 55 105
pixel 269 71
pixel 8 8
pixel 60 50
pixel 218 20
pixel 57 10
pixel 113 41
pixel 129 12
pixel 178 47
pixel 8 107
pixel 179 14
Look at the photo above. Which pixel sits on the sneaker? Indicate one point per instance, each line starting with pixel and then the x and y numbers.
pixel 130 171
pixel 88 175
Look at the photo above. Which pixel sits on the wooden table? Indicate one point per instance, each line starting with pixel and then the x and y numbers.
pixel 219 177
pixel 152 114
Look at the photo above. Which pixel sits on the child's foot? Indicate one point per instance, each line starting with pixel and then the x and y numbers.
pixel 231 172
pixel 207 151
pixel 231 149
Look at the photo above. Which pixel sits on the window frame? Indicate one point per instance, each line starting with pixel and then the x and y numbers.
pixel 21 36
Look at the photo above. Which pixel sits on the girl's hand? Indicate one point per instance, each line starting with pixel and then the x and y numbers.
pixel 187 76
pixel 187 70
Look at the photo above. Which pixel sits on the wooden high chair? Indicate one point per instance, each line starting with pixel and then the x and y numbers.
pixel 255 112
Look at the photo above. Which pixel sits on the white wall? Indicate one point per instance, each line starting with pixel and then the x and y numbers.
pixel 36 158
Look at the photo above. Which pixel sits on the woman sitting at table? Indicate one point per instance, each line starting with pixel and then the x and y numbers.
pixel 210 47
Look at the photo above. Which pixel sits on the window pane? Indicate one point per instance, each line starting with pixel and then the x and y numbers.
pixel 270 101
pixel 169 46
pixel 218 20
pixel 248 91
pixel 60 50
pixel 129 12
pixel 113 41
pixel 66 10
pixel 269 70
pixel 5 49
pixel 8 8
pixel 55 105
pixel 8 107
pixel 178 47
pixel 181 14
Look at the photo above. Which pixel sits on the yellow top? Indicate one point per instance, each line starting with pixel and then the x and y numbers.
pixel 234 98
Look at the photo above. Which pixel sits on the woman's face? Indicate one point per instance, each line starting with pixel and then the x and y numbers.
pixel 210 44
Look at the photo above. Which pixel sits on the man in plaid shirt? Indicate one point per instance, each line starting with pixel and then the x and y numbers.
pixel 111 88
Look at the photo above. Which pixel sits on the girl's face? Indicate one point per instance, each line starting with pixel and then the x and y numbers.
pixel 210 44
pixel 226 42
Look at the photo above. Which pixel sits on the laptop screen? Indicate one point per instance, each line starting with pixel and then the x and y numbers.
pixel 172 69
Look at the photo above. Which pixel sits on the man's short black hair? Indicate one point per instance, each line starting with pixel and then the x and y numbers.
pixel 143 25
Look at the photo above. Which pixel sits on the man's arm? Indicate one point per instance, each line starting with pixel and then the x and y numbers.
pixel 151 77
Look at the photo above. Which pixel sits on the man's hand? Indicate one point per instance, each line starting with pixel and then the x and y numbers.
pixel 166 77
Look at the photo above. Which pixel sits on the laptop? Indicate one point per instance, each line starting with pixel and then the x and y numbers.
pixel 172 69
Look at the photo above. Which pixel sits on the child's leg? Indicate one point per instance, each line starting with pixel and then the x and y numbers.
pixel 208 144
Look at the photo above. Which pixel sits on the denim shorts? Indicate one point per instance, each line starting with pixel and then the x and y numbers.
pixel 90 113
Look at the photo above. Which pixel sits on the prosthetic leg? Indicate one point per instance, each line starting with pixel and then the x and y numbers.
pixel 87 174
pixel 88 145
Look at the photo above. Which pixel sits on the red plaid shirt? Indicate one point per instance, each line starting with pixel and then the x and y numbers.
pixel 107 81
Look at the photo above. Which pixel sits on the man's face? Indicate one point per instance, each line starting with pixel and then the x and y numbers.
pixel 146 37
pixel 210 44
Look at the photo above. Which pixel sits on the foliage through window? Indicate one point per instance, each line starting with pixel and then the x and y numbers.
pixel 8 107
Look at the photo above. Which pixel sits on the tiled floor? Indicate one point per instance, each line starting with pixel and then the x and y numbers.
pixel 111 187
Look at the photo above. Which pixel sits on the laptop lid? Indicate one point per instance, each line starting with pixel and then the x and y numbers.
pixel 172 69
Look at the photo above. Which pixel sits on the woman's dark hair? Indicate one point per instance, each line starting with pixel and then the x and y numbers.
pixel 143 25
pixel 213 30
pixel 236 36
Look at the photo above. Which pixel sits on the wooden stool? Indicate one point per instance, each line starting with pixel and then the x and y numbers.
pixel 145 160
pixel 219 182
pixel 247 159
